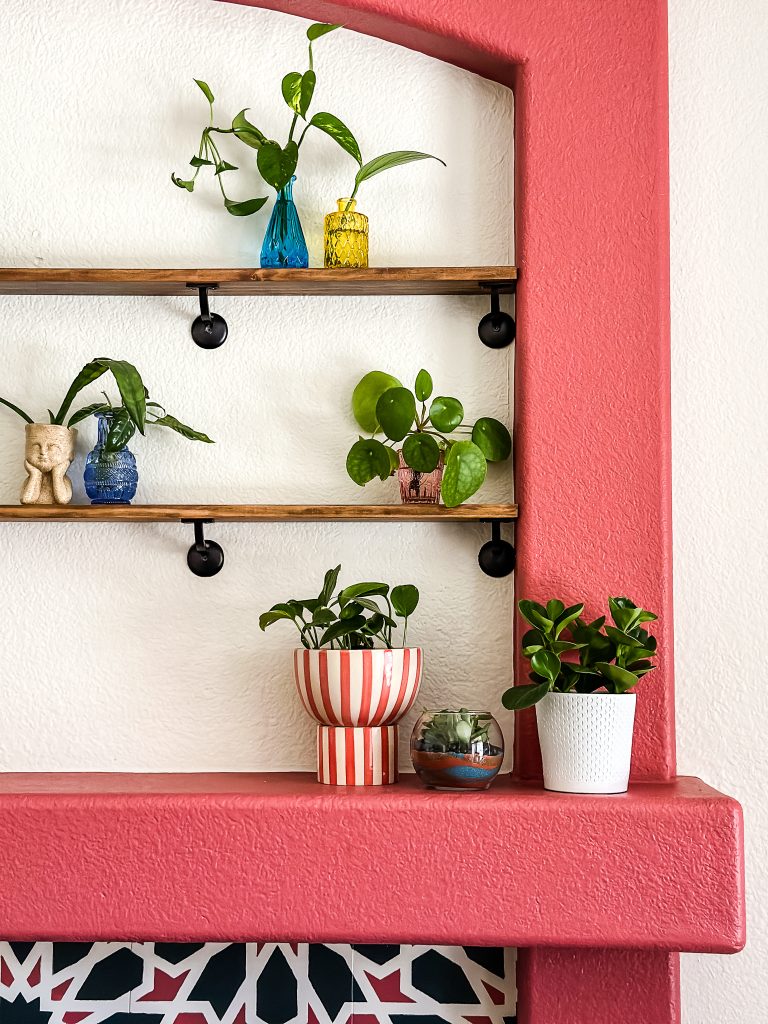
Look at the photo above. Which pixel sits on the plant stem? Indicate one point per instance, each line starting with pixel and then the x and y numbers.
pixel 293 127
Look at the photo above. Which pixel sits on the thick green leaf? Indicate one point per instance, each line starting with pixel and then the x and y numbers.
pixel 396 411
pixel 329 584
pixel 465 470
pixel 535 615
pixel 492 438
pixel 277 164
pixel 320 29
pixel 388 160
pixel 421 452
pixel 621 678
pixel 554 608
pixel 274 615
pixel 446 414
pixel 533 640
pixel 368 458
pixel 423 387
pixel 189 184
pixel 405 598
pixel 131 388
pixel 291 89
pixel 89 373
pixel 247 132
pixel 366 395
pixel 338 131
pixel 620 637
pixel 222 166
pixel 342 628
pixel 205 88
pixel 519 697
pixel 624 613
pixel 17 410
pixel 245 208
pixel 362 590
pixel 561 646
pixel 349 611
pixel 182 428
pixel 197 161
pixel 121 430
pixel 85 412
pixel 323 617
pixel 546 664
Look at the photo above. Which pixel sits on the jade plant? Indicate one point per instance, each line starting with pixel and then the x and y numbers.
pixel 424 434
pixel 122 426
pixel 277 163
pixel 458 733
pixel 569 655
pixel 356 618
pixel 129 384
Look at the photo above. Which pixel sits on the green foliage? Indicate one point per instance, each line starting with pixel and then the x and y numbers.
pixel 277 163
pixel 461 732
pixel 381 404
pixel 122 426
pixel 569 655
pixel 355 619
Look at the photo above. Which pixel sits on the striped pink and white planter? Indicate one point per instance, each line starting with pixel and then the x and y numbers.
pixel 356 757
pixel 358 688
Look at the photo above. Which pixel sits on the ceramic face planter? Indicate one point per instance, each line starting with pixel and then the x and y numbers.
pixel 48 452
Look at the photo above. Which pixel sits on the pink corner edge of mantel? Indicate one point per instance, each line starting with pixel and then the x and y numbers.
pixel 277 857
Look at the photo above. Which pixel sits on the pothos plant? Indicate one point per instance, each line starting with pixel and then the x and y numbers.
pixel 277 163
pixel 423 433
pixel 129 383
pixel 122 426
pixel 570 655
pixel 356 618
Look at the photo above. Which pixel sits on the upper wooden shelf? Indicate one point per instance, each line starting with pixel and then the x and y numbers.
pixel 249 281
pixel 255 513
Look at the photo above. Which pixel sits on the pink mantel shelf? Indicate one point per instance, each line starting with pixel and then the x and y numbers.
pixel 277 857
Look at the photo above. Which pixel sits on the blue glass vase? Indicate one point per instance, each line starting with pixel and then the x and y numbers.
pixel 110 478
pixel 284 244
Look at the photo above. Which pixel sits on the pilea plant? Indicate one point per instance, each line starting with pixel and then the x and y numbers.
pixel 381 403
pixel 460 733
pixel 569 655
pixel 353 619
pixel 122 426
pixel 129 383
pixel 277 163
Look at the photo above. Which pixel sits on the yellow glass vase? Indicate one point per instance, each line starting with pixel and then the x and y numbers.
pixel 346 236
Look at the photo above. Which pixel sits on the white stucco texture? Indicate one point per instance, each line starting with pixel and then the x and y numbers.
pixel 113 656
pixel 719 148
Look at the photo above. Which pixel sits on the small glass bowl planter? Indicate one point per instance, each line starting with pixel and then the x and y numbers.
pixel 457 750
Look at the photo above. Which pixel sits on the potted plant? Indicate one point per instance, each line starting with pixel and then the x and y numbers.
pixel 50 447
pixel 582 678
pixel 419 445
pixel 346 242
pixel 457 750
pixel 111 476
pixel 356 691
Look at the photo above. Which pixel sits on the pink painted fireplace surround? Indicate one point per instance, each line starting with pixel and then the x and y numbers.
pixel 79 856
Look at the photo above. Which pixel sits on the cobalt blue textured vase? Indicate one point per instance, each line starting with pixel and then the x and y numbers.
pixel 284 244
pixel 110 478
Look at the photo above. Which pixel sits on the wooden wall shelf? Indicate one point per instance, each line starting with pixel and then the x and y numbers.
pixel 256 513
pixel 249 281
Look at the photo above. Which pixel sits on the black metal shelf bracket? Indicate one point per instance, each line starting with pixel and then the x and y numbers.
pixel 497 329
pixel 209 330
pixel 497 556
pixel 205 557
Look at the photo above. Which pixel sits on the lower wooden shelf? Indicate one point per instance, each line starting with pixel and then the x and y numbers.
pixel 256 513
pixel 278 857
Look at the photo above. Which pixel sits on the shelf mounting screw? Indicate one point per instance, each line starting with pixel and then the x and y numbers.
pixel 209 330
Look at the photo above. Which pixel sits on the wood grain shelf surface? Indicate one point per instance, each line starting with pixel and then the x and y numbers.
pixel 250 281
pixel 255 513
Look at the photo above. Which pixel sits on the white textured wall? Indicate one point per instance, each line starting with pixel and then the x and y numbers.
pixel 113 656
pixel 719 148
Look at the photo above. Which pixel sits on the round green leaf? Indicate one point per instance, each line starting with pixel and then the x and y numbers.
pixel 396 411
pixel 519 697
pixel 465 470
pixel 546 664
pixel 404 599
pixel 423 385
pixel 446 414
pixel 421 452
pixel 492 438
pixel 367 459
pixel 366 395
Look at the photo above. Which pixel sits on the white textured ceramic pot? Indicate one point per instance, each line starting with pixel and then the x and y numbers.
pixel 357 697
pixel 586 741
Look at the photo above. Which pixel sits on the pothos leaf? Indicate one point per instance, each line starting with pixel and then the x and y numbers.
pixel 244 208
